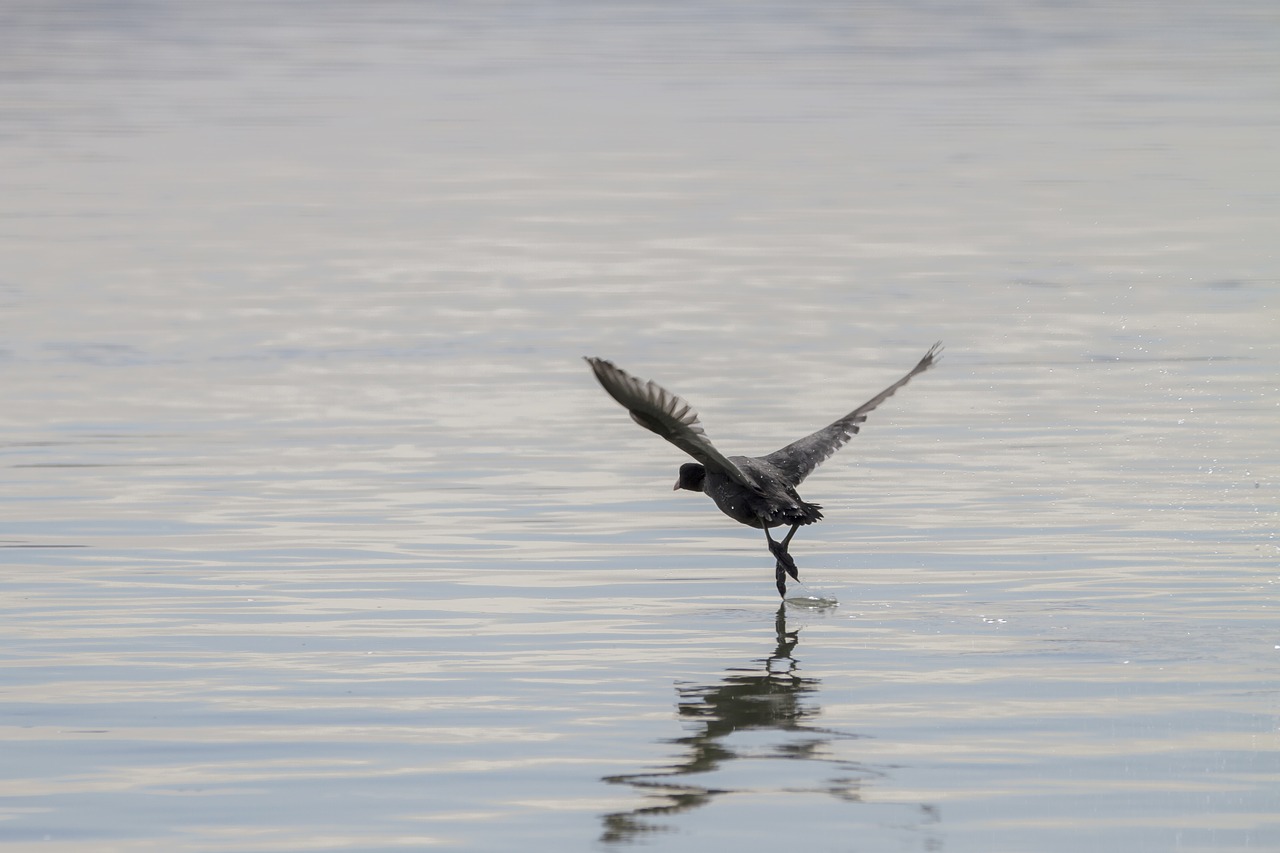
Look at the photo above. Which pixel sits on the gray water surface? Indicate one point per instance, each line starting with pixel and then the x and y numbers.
pixel 317 534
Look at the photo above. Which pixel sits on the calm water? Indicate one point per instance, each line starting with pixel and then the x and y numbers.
pixel 318 534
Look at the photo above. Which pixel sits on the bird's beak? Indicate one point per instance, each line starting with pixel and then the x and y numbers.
pixel 676 487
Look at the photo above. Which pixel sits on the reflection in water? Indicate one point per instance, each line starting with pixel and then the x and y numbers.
pixel 770 694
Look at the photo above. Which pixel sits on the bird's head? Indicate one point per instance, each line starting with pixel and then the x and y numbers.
pixel 692 477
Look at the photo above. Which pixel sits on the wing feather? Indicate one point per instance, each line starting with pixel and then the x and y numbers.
pixel 670 416
pixel 798 459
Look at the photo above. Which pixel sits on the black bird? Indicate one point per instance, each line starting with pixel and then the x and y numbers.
pixel 755 490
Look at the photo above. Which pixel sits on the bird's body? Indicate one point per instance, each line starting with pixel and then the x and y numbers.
pixel 758 491
pixel 775 505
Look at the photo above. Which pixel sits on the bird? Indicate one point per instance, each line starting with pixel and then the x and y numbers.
pixel 758 491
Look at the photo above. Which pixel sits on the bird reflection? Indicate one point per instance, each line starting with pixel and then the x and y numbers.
pixel 769 694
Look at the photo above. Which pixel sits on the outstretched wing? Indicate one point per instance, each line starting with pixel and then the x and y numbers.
pixel 798 459
pixel 658 410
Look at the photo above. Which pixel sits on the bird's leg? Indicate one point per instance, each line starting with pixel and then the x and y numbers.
pixel 786 565
pixel 779 550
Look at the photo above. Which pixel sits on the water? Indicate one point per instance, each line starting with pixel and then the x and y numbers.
pixel 318 534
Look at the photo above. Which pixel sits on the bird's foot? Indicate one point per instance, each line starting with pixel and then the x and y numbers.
pixel 781 576
pixel 783 557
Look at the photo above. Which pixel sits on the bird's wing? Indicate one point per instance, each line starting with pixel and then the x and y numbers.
pixel 798 459
pixel 658 410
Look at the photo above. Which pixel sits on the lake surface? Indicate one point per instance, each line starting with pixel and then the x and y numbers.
pixel 317 534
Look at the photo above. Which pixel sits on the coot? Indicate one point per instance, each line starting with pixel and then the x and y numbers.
pixel 759 491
